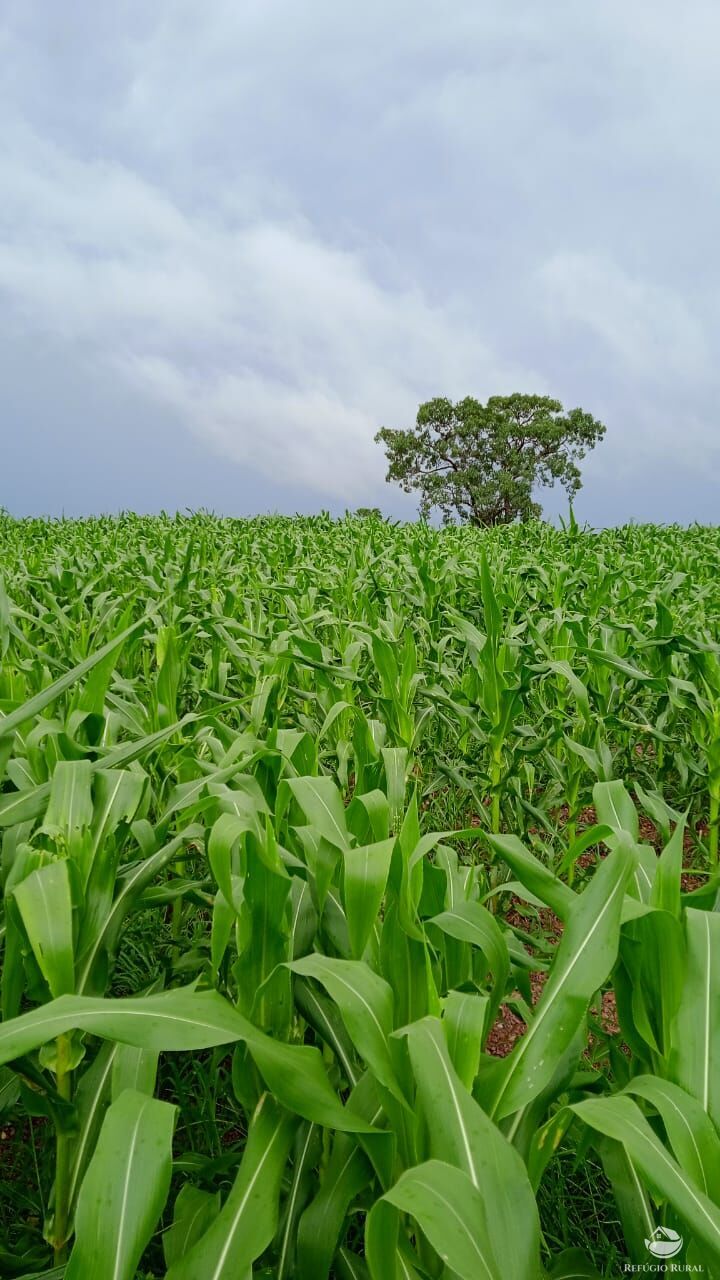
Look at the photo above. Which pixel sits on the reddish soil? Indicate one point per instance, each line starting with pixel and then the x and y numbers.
pixel 509 1027
pixel 505 1031
pixel 608 1014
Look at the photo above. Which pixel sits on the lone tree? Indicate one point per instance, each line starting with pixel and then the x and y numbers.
pixel 481 462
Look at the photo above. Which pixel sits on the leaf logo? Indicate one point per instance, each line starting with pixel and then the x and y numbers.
pixel 664 1243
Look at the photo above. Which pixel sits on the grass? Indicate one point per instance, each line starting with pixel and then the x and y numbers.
pixel 578 1211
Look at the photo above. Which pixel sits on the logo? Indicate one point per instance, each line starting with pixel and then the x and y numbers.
pixel 664 1243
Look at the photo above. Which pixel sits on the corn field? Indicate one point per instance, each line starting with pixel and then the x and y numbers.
pixel 359 888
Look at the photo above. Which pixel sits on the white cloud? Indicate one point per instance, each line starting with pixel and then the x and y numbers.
pixel 647 328
pixel 283 352
pixel 288 224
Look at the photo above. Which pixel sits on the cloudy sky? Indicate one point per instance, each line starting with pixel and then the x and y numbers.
pixel 237 237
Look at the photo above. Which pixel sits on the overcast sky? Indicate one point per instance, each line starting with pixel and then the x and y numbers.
pixel 236 237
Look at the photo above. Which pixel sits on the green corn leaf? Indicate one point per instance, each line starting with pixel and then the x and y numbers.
pixel 41 700
pixel 9 1089
pixel 194 1212
pixel 473 923
pixel 24 806
pixel 584 958
pixel 322 858
pixel 303 919
pixel 691 1134
pixel 322 1222
pixel 349 1266
pixel 695 1036
pixel 653 951
pixel 451 1213
pixel 183 1019
pixel 124 1189
pixel 347 1173
pixel 117 794
pixel 70 807
pixel 365 1002
pixel 168 678
pixel 631 1195
pixel 465 1021
pixel 621 1119
pixel 248 1220
pixel 578 689
pixel 264 985
pixel 100 934
pixel 667 883
pixel 92 1098
pixel 224 837
pixel 368 816
pixel 464 1136
pixel 572 1264
pixel 618 664
pixel 388 1251
pixel 91 699
pixel 44 901
pixel 322 805
pixel 224 917
pixel 133 1068
pixel 323 1014
pixel 405 964
pixel 615 809
pixel 491 608
pixel 395 760
pixel 306 1156
pixel 659 810
pixel 365 874
pixel 531 872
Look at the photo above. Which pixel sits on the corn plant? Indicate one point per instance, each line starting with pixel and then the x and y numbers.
pixel 286 808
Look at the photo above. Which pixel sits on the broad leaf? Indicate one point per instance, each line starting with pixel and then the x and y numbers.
pixel 124 1189
pixel 247 1221
pixel 452 1214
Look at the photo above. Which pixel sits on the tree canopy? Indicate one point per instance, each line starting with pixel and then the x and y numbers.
pixel 481 462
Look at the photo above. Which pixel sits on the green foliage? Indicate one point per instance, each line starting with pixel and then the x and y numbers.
pixel 368 513
pixel 295 815
pixel 481 462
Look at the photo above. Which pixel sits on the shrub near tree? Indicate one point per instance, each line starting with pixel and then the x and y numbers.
pixel 480 463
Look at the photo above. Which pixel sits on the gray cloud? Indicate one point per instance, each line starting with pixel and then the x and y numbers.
pixel 279 227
